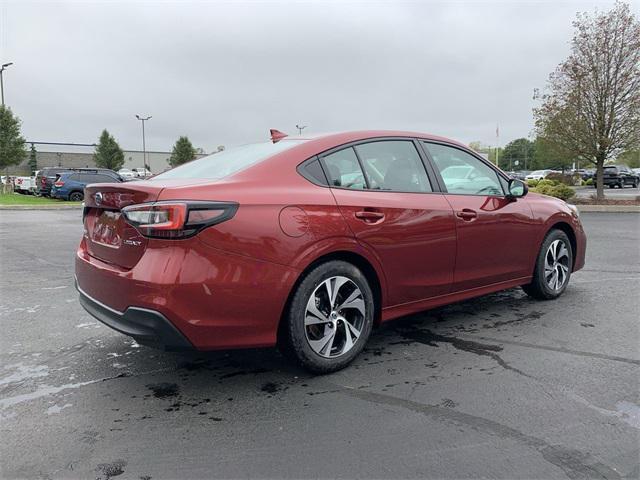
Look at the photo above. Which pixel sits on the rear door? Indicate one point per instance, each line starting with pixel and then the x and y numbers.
pixel 495 241
pixel 384 193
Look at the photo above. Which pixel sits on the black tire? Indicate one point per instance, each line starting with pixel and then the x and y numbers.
pixel 295 343
pixel 538 288
pixel 76 196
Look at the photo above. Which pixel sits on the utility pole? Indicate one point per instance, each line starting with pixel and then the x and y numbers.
pixel 2 69
pixel 300 128
pixel 497 144
pixel 144 145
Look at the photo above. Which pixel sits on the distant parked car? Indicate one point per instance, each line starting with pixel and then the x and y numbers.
pixel 636 171
pixel 127 174
pixel 141 172
pixel 588 173
pixel 521 175
pixel 70 185
pixel 538 174
pixel 619 176
pixel 47 176
pixel 23 185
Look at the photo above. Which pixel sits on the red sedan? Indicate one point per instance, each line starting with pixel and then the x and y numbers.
pixel 308 242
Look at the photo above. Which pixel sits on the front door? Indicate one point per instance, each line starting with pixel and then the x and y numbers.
pixel 494 232
pixel 385 195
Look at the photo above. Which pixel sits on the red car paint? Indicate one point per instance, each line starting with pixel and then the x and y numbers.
pixel 228 286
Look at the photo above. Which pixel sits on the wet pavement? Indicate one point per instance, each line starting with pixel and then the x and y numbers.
pixel 499 387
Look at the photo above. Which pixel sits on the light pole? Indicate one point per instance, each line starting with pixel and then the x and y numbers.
pixel 2 69
pixel 144 145
pixel 300 128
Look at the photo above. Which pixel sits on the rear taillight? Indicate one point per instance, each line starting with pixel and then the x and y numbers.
pixel 43 181
pixel 59 183
pixel 175 220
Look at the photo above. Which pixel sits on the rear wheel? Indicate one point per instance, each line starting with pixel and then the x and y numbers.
pixel 553 267
pixel 76 196
pixel 330 317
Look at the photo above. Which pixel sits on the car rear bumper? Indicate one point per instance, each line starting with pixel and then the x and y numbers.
pixel 214 299
pixel 147 327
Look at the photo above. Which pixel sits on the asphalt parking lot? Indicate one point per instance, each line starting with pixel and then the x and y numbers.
pixel 498 387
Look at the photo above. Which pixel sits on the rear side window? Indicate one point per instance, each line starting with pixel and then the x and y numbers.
pixel 393 165
pixel 227 162
pixel 343 170
pixel 312 171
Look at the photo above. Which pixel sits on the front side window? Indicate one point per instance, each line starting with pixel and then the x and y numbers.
pixel 393 165
pixel 464 174
pixel 343 170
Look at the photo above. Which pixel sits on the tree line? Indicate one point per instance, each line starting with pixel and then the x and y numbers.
pixel 109 154
pixel 541 154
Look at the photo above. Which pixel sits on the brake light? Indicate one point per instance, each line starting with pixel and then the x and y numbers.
pixel 59 183
pixel 176 220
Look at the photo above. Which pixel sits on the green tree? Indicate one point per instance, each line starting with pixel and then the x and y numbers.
pixel 108 153
pixel 182 152
pixel 33 159
pixel 591 107
pixel 12 143
pixel 631 158
pixel 518 151
pixel 551 155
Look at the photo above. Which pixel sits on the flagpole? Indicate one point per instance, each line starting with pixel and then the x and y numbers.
pixel 497 143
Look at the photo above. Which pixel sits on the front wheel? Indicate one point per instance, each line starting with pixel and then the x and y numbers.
pixel 553 267
pixel 330 317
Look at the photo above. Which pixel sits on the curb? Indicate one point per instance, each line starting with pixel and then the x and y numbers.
pixel 609 208
pixel 40 207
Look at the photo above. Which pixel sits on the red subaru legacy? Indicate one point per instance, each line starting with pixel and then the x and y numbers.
pixel 308 242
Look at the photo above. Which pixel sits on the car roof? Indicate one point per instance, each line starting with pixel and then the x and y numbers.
pixel 352 136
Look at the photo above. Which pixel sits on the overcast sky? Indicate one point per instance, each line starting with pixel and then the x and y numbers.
pixel 226 72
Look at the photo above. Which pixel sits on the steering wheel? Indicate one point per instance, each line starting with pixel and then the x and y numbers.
pixel 490 190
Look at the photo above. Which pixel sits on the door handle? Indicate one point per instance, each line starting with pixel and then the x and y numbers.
pixel 369 216
pixel 466 214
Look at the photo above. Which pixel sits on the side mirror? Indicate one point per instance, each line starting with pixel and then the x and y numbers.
pixel 517 188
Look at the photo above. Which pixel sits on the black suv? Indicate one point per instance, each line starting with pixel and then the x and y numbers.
pixel 619 176
pixel 47 176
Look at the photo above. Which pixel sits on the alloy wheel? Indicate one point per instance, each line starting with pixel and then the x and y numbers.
pixel 556 265
pixel 334 317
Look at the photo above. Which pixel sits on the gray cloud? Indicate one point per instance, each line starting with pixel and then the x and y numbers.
pixel 226 72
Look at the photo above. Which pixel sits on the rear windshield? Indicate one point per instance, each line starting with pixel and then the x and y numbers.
pixel 227 162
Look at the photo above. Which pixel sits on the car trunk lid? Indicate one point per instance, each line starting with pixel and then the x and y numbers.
pixel 108 236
